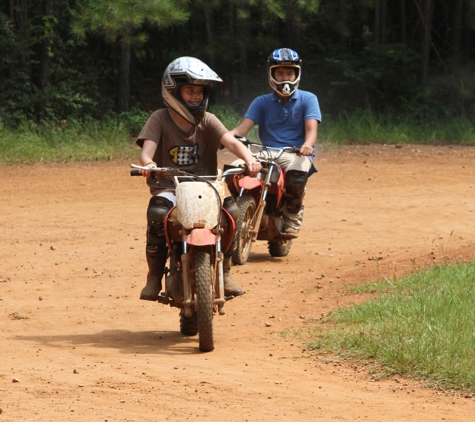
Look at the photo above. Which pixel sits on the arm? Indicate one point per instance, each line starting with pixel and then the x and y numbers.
pixel 311 131
pixel 146 156
pixel 243 128
pixel 238 149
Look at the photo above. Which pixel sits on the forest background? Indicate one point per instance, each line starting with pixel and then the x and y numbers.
pixel 63 60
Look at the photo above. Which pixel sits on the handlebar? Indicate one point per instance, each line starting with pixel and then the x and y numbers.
pixel 173 172
pixel 265 153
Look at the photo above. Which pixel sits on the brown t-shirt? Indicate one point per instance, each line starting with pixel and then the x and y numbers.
pixel 194 151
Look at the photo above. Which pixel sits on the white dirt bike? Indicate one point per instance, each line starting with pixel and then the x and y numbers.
pixel 198 229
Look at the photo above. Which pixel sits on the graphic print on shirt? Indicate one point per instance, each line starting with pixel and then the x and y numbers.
pixel 184 155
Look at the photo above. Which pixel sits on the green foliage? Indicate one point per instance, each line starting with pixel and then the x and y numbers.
pixel 365 126
pixel 345 60
pixel 124 20
pixel 230 119
pixel 419 326
pixel 15 86
pixel 109 138
pixel 381 77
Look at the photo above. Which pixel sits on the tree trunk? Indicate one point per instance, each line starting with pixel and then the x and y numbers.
pixel 344 25
pixel 453 92
pixel 403 22
pixel 457 30
pixel 380 21
pixel 383 20
pixel 210 40
pixel 426 8
pixel 243 33
pixel 377 23
pixel 292 25
pixel 123 92
pixel 209 31
pixel 229 93
pixel 46 45
pixel 19 16
pixel 19 13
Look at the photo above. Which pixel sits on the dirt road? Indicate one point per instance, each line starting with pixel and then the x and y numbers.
pixel 78 345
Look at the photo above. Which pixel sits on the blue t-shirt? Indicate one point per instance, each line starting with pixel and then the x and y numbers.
pixel 283 124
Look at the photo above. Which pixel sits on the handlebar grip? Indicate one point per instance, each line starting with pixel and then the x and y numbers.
pixel 135 173
pixel 245 167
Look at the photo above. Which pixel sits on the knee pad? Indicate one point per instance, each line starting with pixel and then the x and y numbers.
pixel 157 210
pixel 295 182
pixel 229 204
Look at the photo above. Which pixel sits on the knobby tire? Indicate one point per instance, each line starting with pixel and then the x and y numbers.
pixel 280 248
pixel 247 209
pixel 205 301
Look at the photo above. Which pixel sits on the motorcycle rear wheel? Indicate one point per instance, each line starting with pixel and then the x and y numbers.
pixel 188 325
pixel 247 209
pixel 279 248
pixel 205 301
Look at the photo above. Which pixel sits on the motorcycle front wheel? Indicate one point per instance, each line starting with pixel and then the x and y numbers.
pixel 204 295
pixel 247 209
pixel 280 248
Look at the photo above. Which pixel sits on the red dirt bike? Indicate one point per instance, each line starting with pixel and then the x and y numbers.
pixel 260 202
pixel 198 229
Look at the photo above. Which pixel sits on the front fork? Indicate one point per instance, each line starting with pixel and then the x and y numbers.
pixel 256 219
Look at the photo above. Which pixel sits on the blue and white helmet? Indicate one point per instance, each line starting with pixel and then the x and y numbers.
pixel 187 71
pixel 288 58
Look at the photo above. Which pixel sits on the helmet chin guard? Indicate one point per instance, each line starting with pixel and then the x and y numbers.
pixel 187 71
pixel 284 57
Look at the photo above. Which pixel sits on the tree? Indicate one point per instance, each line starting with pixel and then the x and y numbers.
pixel 426 9
pixel 122 22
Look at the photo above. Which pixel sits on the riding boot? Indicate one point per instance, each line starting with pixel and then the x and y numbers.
pixel 293 210
pixel 231 288
pixel 293 222
pixel 156 265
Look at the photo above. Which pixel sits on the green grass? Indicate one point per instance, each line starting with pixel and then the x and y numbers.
pixel 421 326
pixel 67 141
pixel 113 136
pixel 364 127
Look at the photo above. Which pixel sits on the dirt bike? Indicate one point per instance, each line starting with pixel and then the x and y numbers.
pixel 197 229
pixel 260 202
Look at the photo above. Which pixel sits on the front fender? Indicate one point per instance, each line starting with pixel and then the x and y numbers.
pixel 250 183
pixel 201 237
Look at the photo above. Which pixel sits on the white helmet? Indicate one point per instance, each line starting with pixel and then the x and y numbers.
pixel 187 71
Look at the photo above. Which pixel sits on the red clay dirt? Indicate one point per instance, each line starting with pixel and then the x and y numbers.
pixel 78 345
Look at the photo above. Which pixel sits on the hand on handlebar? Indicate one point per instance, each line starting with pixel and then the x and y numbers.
pixel 254 167
pixel 146 173
pixel 305 150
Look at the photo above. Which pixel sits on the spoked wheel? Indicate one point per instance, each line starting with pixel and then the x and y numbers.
pixel 205 301
pixel 188 325
pixel 247 209
pixel 280 248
